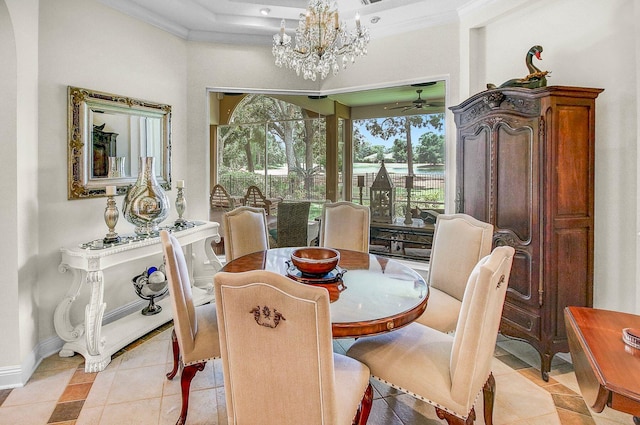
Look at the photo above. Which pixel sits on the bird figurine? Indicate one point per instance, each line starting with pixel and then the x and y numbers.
pixel 536 77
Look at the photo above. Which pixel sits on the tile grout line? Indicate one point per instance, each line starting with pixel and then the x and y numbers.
pixel 69 410
pixel 582 411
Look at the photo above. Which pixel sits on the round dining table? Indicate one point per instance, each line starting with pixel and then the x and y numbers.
pixel 374 294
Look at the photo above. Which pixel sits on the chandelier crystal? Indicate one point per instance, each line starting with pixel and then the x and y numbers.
pixel 321 42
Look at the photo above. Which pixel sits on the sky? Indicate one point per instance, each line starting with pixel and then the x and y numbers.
pixel 415 135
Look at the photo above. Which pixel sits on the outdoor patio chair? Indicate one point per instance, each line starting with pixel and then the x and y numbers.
pixel 293 219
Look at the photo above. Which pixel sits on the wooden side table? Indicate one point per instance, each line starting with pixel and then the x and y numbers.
pixel 607 369
pixel 411 241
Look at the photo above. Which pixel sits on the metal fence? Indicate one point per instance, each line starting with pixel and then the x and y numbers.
pixel 427 192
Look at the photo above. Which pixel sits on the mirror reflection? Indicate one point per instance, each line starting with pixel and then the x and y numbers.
pixel 108 134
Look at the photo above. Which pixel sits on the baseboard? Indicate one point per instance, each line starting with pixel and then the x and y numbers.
pixel 17 376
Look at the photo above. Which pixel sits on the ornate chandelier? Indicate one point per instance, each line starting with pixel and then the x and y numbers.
pixel 321 41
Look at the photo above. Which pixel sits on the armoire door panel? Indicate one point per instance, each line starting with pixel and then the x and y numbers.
pixel 571 259
pixel 522 321
pixel 514 180
pixel 521 288
pixel 572 160
pixel 475 163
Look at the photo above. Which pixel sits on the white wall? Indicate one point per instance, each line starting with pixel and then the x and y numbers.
pixel 85 44
pixel 590 44
pixel 18 304
pixel 9 311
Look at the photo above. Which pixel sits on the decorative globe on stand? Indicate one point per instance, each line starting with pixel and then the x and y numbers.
pixel 150 285
pixel 146 204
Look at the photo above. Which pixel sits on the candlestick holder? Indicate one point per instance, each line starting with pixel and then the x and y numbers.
pixel 408 217
pixel 181 205
pixel 111 218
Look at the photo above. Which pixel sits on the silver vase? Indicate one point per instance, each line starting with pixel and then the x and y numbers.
pixel 116 167
pixel 145 205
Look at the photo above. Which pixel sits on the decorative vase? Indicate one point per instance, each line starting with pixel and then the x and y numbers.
pixel 116 166
pixel 145 205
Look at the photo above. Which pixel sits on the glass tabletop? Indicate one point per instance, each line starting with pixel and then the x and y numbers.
pixel 376 295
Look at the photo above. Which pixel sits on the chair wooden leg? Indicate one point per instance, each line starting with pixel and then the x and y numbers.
pixel 488 394
pixel 176 355
pixel 188 372
pixel 454 420
pixel 365 407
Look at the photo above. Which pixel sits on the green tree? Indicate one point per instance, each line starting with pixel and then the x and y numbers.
pixel 292 134
pixel 399 150
pixel 431 148
pixel 236 143
pixel 365 149
pixel 388 127
pixel 379 151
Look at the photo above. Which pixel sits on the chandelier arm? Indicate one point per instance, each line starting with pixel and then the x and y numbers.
pixel 320 41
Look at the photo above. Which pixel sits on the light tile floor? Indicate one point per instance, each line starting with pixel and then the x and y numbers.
pixel 133 390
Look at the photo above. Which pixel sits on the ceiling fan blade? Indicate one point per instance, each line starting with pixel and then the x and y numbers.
pixel 397 107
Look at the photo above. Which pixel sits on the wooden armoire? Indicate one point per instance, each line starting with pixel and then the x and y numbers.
pixel 525 163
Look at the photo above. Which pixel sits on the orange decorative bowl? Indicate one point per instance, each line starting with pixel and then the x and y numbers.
pixel 315 261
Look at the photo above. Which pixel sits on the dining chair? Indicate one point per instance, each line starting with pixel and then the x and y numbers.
pixel 292 219
pixel 194 338
pixel 245 231
pixel 345 225
pixel 459 242
pixel 448 371
pixel 279 367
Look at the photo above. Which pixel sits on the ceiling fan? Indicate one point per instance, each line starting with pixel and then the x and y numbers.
pixel 419 103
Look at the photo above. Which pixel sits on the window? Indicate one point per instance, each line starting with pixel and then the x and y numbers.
pixel 279 143
pixel 390 139
pixel 276 146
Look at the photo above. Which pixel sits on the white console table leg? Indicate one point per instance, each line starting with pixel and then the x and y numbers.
pixel 208 250
pixel 61 320
pixel 91 346
pixel 94 312
pixel 93 340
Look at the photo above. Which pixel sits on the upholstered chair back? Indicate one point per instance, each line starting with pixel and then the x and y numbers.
pixel 459 242
pixel 184 314
pixel 269 378
pixel 194 339
pixel 478 324
pixel 245 231
pixel 345 225
pixel 293 218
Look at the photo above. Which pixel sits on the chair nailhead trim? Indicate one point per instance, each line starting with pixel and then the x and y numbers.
pixel 199 361
pixel 431 402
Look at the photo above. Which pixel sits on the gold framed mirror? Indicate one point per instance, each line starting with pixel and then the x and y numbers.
pixel 107 134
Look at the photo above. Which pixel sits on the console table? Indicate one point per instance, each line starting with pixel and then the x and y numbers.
pixel 93 340
pixel 397 239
